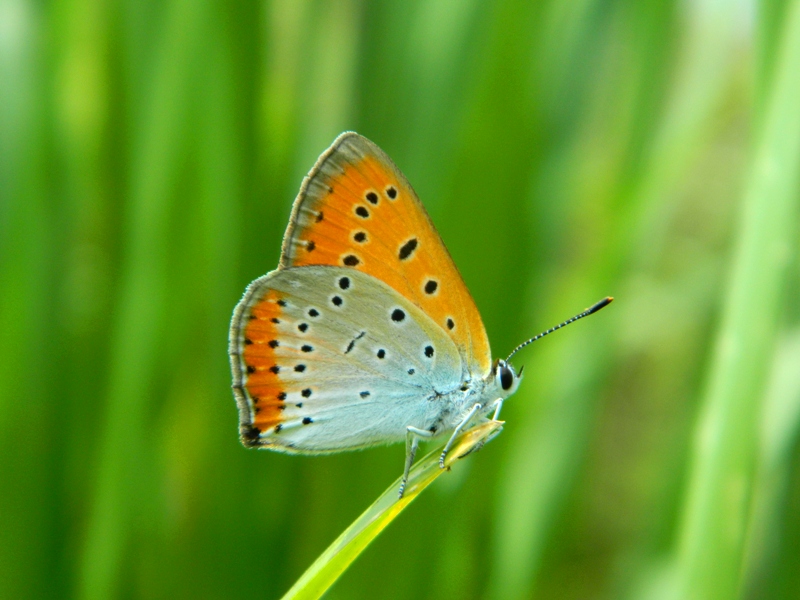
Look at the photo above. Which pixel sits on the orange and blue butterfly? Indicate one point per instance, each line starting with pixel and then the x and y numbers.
pixel 365 334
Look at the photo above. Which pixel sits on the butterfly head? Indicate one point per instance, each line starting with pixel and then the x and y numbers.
pixel 506 379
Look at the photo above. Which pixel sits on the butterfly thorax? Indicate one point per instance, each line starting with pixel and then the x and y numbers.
pixel 487 392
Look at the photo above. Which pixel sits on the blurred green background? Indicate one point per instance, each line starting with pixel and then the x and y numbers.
pixel 566 150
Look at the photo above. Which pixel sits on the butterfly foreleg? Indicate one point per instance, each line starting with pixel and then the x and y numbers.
pixel 464 422
pixel 498 405
pixel 413 436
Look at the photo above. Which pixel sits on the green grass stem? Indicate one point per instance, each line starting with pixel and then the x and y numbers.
pixel 713 534
pixel 353 541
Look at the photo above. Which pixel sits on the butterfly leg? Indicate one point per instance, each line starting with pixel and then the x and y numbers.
pixel 498 406
pixel 413 436
pixel 456 431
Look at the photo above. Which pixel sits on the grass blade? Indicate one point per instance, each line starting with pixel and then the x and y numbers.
pixel 719 496
pixel 135 340
pixel 352 542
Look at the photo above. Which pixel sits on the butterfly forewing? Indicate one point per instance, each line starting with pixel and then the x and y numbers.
pixel 357 210
pixel 330 358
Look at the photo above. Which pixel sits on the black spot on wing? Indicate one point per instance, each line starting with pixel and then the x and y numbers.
pixel 407 249
pixel 351 260
pixel 352 343
pixel 250 434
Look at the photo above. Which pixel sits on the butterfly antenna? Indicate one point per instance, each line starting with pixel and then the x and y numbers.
pixel 592 309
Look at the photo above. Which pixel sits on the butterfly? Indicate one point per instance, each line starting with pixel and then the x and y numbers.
pixel 365 334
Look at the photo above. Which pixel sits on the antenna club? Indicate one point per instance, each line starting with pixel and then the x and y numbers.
pixel 597 306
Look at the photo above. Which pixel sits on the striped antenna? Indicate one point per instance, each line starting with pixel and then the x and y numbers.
pixel 592 309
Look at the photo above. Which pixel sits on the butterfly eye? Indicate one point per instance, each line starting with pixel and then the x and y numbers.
pixel 505 376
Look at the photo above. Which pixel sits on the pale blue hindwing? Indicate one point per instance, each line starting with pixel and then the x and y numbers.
pixel 371 375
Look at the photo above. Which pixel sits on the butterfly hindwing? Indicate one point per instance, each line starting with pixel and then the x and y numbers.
pixel 357 210
pixel 330 358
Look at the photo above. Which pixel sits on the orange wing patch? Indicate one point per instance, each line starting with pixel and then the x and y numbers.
pixel 262 379
pixel 269 353
pixel 356 209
